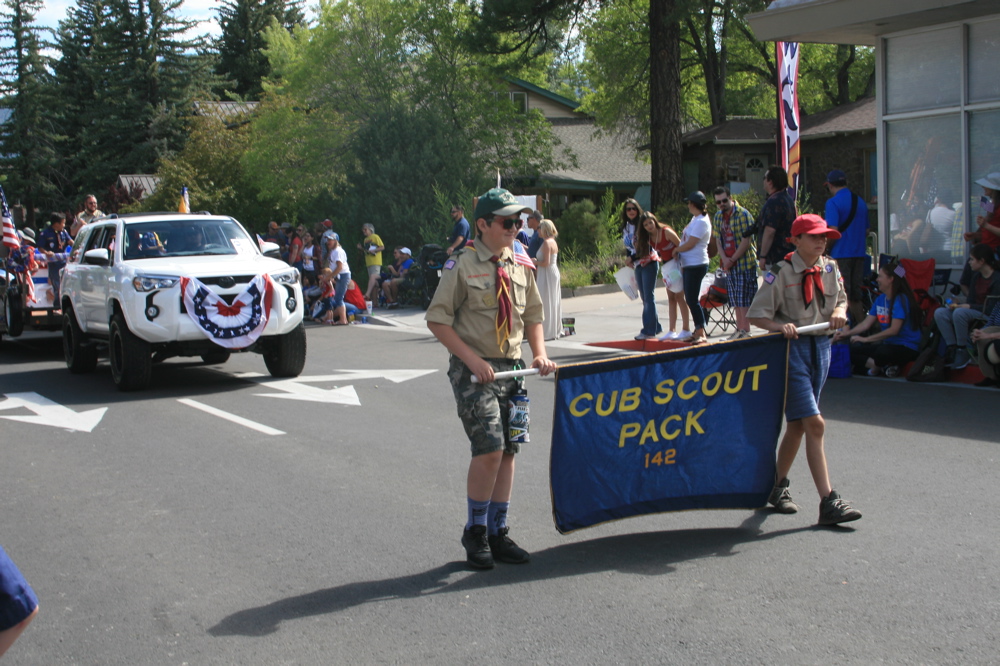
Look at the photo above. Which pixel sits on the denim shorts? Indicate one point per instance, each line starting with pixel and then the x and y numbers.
pixel 808 365
pixel 484 408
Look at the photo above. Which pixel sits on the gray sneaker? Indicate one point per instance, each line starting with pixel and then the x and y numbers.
pixel 781 499
pixel 833 510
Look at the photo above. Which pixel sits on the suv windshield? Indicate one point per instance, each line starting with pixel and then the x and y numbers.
pixel 185 238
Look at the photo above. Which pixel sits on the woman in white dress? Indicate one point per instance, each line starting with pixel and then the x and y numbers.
pixel 549 283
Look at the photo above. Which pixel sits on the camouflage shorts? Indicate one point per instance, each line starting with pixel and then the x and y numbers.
pixel 483 408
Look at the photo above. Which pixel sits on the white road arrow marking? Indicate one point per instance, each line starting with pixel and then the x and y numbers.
pixel 208 409
pixel 50 413
pixel 300 389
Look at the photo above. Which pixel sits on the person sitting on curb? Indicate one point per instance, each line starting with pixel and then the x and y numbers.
pixel 898 317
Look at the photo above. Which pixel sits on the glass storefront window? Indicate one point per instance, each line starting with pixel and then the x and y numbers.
pixel 984 157
pixel 924 176
pixel 984 54
pixel 915 81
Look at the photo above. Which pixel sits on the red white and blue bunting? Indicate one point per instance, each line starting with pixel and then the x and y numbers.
pixel 232 326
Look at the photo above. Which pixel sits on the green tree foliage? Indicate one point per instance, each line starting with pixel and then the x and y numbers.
pixel 134 76
pixel 210 166
pixel 378 104
pixel 28 137
pixel 242 61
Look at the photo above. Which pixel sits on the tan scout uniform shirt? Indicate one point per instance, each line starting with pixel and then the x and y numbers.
pixel 780 296
pixel 466 300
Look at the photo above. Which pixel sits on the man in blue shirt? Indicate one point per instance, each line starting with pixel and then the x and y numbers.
pixel 461 231
pixel 535 243
pixel 55 243
pixel 847 212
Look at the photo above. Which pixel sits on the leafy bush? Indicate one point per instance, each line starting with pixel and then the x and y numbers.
pixel 590 245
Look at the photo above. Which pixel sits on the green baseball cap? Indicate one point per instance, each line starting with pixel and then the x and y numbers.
pixel 499 201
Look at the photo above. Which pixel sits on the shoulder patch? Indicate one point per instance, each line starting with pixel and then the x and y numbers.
pixel 829 268
pixel 769 277
pixel 450 264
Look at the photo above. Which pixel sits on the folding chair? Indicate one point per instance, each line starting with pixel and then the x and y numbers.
pixel 719 314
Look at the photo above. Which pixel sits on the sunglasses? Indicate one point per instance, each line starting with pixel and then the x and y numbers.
pixel 631 208
pixel 508 223
pixel 721 201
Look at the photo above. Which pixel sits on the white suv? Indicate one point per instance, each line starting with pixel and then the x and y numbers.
pixel 132 282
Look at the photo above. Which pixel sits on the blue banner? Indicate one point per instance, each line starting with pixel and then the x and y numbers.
pixel 694 428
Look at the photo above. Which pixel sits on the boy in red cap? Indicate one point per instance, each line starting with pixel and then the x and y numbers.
pixel 804 289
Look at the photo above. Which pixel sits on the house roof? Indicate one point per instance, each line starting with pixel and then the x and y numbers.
pixel 850 118
pixel 555 97
pixel 147 182
pixel 225 110
pixel 858 21
pixel 601 160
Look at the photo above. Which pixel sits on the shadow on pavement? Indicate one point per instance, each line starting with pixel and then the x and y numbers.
pixel 645 554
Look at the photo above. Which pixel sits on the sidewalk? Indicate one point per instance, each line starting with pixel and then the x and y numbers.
pixel 609 318
pixel 600 317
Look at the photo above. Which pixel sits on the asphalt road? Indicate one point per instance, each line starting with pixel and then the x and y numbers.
pixel 168 535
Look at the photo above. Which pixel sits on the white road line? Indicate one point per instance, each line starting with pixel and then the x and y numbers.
pixel 267 430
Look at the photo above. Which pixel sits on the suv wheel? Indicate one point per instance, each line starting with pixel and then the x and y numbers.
pixel 13 312
pixel 130 356
pixel 285 355
pixel 216 357
pixel 80 356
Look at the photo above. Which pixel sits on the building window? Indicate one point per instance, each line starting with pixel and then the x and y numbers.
pixel 518 99
pixel 941 133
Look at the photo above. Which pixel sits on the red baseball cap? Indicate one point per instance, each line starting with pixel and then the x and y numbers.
pixel 812 224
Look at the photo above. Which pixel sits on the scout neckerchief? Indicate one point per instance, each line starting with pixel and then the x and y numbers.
pixel 505 306
pixel 812 278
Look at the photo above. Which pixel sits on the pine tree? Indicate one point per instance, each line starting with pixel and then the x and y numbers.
pixel 27 138
pixel 242 62
pixel 134 76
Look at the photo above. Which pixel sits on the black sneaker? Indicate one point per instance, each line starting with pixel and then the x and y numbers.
pixel 505 550
pixel 833 510
pixel 477 547
pixel 781 499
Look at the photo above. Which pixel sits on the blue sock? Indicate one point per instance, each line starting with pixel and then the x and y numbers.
pixel 477 512
pixel 498 516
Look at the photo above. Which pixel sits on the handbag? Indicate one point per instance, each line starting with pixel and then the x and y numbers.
pixel 672 277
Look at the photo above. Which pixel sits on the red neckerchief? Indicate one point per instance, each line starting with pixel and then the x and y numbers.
pixel 505 306
pixel 812 278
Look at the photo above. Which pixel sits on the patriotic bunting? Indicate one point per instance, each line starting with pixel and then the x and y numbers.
pixel 231 326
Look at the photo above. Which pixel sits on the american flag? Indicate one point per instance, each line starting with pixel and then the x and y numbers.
pixel 521 255
pixel 9 232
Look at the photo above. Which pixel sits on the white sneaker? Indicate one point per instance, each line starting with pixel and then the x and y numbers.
pixel 683 335
pixel 735 336
pixel 669 335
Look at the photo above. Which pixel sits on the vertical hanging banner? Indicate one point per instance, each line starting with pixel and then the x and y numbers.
pixel 684 429
pixel 788 111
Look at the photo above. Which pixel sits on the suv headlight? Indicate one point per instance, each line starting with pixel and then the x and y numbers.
pixel 153 282
pixel 287 277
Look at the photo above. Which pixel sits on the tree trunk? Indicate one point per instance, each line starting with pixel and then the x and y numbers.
pixel 665 104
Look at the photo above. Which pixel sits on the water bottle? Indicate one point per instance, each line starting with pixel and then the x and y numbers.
pixel 519 417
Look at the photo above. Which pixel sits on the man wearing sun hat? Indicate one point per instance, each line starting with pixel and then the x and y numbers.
pixel 804 289
pixel 485 304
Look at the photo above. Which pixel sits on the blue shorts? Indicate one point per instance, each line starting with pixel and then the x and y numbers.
pixel 808 365
pixel 17 599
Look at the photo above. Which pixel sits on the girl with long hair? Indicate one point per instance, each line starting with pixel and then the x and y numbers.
pixel 655 236
pixel 898 316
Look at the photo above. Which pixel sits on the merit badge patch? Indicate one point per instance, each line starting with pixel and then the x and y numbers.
pixel 450 264
pixel 769 277
pixel 829 268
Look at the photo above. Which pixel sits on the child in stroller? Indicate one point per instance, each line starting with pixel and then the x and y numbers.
pixel 425 274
